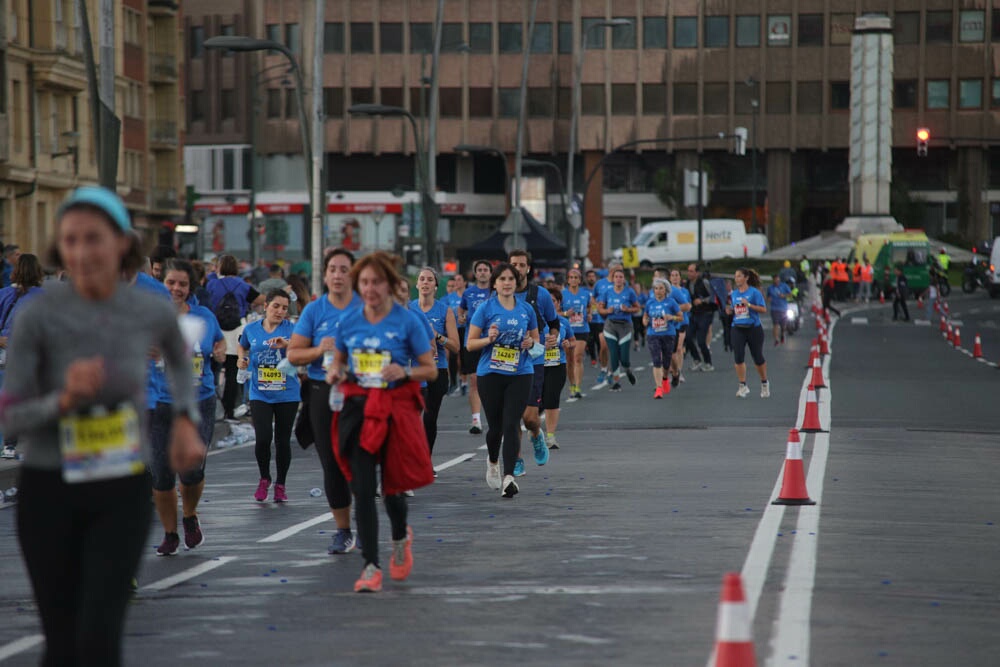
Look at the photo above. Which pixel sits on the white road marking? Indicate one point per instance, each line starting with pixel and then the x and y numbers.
pixel 454 462
pixel 859 320
pixel 20 646
pixel 191 573
pixel 297 528
pixel 921 323
pixel 530 589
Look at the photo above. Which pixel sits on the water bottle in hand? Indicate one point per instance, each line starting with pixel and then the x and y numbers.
pixel 242 375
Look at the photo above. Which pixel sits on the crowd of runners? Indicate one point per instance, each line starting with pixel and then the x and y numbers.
pixel 111 420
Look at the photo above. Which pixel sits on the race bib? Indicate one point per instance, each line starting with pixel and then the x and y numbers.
pixel 368 366
pixel 269 378
pixel 101 445
pixel 576 320
pixel 741 311
pixel 197 368
pixel 552 356
pixel 660 325
pixel 593 309
pixel 505 359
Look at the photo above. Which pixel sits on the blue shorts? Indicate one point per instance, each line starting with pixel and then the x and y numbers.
pixel 537 385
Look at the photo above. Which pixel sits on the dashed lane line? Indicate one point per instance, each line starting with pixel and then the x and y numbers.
pixel 190 573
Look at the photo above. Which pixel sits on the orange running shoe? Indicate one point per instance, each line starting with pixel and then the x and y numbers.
pixel 658 393
pixel 401 562
pixel 370 580
pixel 666 387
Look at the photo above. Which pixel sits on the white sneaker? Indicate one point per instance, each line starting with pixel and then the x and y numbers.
pixel 409 494
pixel 743 391
pixel 8 453
pixel 509 487
pixel 765 390
pixel 493 475
pixel 241 410
pixel 682 378
pixel 707 368
pixel 695 366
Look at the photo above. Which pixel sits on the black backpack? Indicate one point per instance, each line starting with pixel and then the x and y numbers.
pixel 228 311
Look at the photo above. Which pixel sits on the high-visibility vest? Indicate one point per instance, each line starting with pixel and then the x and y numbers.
pixel 867 273
pixel 857 272
pixel 944 260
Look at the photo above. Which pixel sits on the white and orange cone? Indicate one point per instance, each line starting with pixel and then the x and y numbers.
pixel 810 420
pixel 977 348
pixel 793 483
pixel 957 340
pixel 733 641
pixel 817 376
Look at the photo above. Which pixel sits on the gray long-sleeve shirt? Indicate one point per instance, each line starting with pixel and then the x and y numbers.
pixel 59 327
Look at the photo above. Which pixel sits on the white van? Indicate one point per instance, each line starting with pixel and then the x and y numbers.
pixel 993 271
pixel 677 241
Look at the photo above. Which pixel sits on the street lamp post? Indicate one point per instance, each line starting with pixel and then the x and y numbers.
pixel 491 150
pixel 428 205
pixel 754 107
pixel 246 44
pixel 575 113
pixel 543 164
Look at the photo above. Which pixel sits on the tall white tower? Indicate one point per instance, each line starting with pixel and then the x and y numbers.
pixel 871 115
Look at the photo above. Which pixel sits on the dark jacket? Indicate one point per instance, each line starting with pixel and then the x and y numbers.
pixel 702 289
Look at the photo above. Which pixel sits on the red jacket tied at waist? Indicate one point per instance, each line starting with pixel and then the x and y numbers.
pixel 392 423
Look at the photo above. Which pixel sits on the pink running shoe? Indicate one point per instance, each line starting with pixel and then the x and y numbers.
pixel 279 494
pixel 261 494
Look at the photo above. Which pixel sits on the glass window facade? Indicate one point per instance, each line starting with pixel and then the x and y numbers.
pixel 592 99
pixel 480 102
pixel 390 37
pixel 809 97
pixel 565 37
pixel 938 27
pixel 654 99
pixel 938 94
pixel 716 98
pixel 541 41
pixel 623 101
pixel 481 37
pixel 510 38
pixel 685 99
pixel 970 94
pixel 540 103
pixel 421 38
pixel 716 32
pixel 748 30
pixel 810 30
pixel 595 37
pixel 510 105
pixel 333 38
pixel 452 37
pixel 972 25
pixel 654 32
pixel 906 28
pixel 362 38
pixel 623 36
pixel 904 94
pixel 840 95
pixel 685 32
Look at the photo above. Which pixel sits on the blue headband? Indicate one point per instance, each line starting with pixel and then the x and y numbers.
pixel 102 198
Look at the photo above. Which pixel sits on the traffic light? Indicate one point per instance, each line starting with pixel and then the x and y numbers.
pixel 923 136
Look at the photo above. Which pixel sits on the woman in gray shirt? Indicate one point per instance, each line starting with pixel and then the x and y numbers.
pixel 75 394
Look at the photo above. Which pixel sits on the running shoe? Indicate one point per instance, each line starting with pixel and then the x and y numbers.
pixel 765 390
pixel 509 487
pixel 707 368
pixel 675 380
pixel 541 451
pixel 695 366
pixel 743 391
pixel 241 411
pixel 593 362
pixel 260 495
pixel 401 561
pixel 602 377
pixel 578 394
pixel 658 393
pixel 343 542
pixel 550 441
pixel 630 376
pixel 8 453
pixel 409 493
pixel 666 386
pixel 370 580
pixel 493 475
pixel 279 494
pixel 681 378
pixel 616 386
pixel 168 547
pixel 518 468
pixel 476 428
pixel 465 389
pixel 193 536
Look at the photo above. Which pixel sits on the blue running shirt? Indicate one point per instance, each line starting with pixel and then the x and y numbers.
pixel 505 356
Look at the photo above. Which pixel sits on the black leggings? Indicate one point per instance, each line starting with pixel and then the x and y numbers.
pixel 82 544
pixel 752 336
pixel 282 415
pixel 338 493
pixel 364 482
pixel 698 336
pixel 434 394
pixel 232 390
pixel 504 398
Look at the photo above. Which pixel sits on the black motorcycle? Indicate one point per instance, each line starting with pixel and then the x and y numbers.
pixel 939 278
pixel 974 276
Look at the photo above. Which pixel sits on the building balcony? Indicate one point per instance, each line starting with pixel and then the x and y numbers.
pixel 165 198
pixel 163 135
pixel 162 67
pixel 163 7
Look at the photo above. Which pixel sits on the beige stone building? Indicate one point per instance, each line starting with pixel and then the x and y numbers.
pixel 46 135
pixel 682 68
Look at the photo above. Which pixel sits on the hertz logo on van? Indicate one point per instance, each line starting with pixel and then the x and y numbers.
pixel 719 236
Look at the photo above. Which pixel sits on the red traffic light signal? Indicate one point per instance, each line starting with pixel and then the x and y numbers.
pixel 923 136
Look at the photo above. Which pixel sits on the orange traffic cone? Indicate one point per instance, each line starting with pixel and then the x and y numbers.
pixel 947 310
pixel 793 484
pixel 733 643
pixel 920 302
pixel 957 340
pixel 824 348
pixel 977 348
pixel 810 420
pixel 951 335
pixel 881 297
pixel 826 316
pixel 817 378
pixel 813 355
pixel 937 307
pixel 944 325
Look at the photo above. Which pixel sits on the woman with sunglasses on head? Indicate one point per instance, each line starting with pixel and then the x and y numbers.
pixel 75 392
pixel 445 342
pixel 274 391
pixel 382 354
pixel 502 330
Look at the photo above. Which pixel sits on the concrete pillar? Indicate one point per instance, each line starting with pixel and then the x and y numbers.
pixel 779 197
pixel 593 207
pixel 870 174
pixel 973 210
